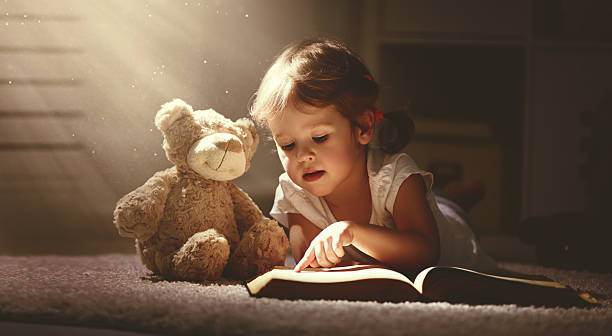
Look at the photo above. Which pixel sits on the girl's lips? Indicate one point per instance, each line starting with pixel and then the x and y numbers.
pixel 311 177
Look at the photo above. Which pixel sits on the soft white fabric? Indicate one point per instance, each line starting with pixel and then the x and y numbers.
pixel 458 246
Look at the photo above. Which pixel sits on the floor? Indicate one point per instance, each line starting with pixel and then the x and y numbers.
pixel 502 248
pixel 22 329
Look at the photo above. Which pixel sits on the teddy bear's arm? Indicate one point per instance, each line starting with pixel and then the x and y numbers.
pixel 246 211
pixel 138 213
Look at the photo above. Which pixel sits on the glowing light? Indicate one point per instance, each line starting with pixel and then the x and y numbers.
pixel 246 15
pixel 10 82
pixel 226 91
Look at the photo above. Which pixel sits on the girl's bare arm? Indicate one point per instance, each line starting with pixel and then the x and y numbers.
pixel 413 245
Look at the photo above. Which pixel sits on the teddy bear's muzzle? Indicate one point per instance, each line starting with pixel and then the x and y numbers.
pixel 219 156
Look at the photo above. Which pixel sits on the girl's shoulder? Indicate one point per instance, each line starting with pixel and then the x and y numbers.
pixel 381 163
pixel 387 172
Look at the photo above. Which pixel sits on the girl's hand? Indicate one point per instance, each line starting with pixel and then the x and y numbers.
pixel 325 249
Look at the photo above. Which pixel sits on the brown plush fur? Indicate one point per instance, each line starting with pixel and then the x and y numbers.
pixel 197 228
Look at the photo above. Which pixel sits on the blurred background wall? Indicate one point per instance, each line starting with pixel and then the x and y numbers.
pixel 506 90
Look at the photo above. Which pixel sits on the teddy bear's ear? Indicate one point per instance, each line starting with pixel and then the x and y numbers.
pixel 171 112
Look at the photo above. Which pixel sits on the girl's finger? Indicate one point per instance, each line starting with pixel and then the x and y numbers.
pixel 321 257
pixel 335 242
pixel 339 252
pixel 330 252
pixel 306 260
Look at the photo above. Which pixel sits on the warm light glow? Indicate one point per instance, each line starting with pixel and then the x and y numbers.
pixel 81 81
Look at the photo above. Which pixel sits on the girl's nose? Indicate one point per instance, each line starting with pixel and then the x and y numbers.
pixel 305 153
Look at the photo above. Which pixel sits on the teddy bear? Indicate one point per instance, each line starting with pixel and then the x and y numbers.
pixel 190 222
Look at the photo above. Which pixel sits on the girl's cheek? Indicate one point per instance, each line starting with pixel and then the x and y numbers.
pixel 283 159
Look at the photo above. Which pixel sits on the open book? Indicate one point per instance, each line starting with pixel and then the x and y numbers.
pixel 439 283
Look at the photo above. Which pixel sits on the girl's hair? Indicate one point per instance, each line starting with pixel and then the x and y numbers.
pixel 321 73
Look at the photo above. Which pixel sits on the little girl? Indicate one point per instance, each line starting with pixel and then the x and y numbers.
pixel 343 200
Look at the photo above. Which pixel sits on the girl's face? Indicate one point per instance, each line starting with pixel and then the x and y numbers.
pixel 319 148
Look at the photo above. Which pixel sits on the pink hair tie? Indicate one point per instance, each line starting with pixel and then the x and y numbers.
pixel 378 115
pixel 368 77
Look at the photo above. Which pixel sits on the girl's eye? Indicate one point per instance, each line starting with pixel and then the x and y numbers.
pixel 320 138
pixel 287 147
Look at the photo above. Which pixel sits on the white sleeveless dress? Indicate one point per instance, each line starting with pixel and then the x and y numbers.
pixel 458 245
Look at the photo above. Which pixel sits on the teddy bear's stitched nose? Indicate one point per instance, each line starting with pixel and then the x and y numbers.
pixel 226 145
pixel 229 145
pixel 218 156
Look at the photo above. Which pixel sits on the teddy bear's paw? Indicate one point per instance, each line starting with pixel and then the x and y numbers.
pixel 271 238
pixel 134 223
pixel 262 247
pixel 203 257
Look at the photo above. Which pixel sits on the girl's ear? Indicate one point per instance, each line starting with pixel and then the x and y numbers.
pixel 365 127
